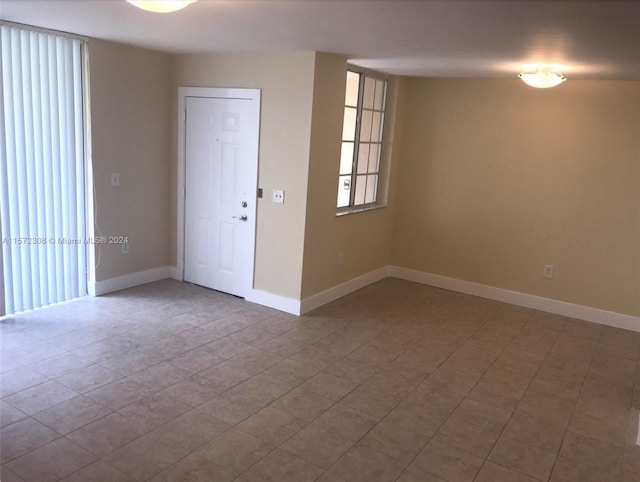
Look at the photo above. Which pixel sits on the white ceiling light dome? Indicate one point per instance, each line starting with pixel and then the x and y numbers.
pixel 542 78
pixel 161 6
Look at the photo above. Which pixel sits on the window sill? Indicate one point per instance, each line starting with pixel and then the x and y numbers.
pixel 359 209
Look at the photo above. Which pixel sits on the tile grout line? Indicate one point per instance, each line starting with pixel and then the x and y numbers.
pixel 566 430
pixel 471 389
pixel 429 439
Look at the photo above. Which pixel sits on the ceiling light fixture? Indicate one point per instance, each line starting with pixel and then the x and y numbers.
pixel 161 6
pixel 542 78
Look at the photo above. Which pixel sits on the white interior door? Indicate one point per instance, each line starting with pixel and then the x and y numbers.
pixel 221 169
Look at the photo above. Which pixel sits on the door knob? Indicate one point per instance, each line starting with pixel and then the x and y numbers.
pixel 241 218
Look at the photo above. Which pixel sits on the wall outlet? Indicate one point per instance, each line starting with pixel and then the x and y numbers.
pixel 340 258
pixel 115 179
pixel 547 272
pixel 124 248
pixel 278 196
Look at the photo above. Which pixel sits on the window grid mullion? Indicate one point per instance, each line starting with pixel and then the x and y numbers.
pixel 356 141
pixel 379 151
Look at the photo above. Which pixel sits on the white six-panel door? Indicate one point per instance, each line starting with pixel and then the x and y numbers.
pixel 221 144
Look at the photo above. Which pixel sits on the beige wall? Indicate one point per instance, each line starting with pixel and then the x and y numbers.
pixel 499 179
pixel 492 179
pixel 130 106
pixel 286 81
pixel 364 238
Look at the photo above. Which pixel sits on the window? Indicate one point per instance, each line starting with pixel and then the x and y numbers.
pixel 361 140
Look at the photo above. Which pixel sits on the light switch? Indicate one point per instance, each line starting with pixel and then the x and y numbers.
pixel 278 196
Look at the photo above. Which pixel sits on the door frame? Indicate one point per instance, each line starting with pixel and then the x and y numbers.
pixel 251 95
pixel 2 304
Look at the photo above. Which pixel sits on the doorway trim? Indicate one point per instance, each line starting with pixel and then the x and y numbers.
pixel 252 95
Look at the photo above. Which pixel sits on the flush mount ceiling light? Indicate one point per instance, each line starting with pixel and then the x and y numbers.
pixel 161 6
pixel 542 78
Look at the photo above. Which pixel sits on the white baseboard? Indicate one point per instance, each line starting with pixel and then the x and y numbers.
pixel 327 296
pixel 282 303
pixel 563 308
pixel 97 288
pixel 175 273
pixel 299 307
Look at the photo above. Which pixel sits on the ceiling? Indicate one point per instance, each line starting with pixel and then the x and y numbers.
pixel 449 38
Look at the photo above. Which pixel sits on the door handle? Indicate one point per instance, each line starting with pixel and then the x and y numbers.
pixel 241 218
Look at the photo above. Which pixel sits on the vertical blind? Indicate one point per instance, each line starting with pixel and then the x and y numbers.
pixel 42 183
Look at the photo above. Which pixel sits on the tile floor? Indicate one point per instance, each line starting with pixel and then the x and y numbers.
pixel 398 381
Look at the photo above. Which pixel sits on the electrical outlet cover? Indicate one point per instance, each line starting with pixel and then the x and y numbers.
pixel 278 196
